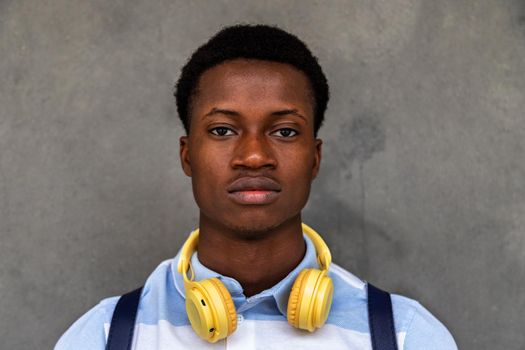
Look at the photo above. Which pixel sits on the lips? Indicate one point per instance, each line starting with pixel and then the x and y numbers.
pixel 259 183
pixel 254 190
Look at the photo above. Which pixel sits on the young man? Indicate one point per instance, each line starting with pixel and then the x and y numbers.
pixel 252 100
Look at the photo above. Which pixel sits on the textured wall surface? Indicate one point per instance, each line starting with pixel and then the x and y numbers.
pixel 422 187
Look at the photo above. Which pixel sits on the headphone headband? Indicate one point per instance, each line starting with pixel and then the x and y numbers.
pixel 186 252
pixel 324 258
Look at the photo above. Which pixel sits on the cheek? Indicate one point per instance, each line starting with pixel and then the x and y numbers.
pixel 209 167
pixel 208 159
pixel 297 168
pixel 302 160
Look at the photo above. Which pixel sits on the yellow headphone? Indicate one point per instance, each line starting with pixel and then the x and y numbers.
pixel 211 310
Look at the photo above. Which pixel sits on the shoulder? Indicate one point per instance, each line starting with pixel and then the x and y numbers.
pixel 416 327
pixel 423 330
pixel 90 331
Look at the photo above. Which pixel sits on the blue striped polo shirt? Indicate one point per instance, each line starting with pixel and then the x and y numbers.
pixel 162 322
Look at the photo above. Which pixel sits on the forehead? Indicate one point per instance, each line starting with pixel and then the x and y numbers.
pixel 255 82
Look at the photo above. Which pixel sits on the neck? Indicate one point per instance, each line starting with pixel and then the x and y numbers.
pixel 256 261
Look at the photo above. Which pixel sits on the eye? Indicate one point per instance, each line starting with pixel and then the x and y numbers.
pixel 220 131
pixel 287 132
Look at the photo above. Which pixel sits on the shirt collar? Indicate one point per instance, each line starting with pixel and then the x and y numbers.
pixel 280 292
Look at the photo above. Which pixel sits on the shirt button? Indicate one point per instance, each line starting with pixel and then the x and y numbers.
pixel 240 318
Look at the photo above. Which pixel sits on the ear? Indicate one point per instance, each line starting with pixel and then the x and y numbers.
pixel 317 158
pixel 184 153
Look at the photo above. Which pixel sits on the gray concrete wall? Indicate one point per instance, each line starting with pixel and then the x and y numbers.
pixel 422 183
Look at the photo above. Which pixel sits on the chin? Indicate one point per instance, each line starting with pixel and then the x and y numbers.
pixel 255 226
pixel 252 229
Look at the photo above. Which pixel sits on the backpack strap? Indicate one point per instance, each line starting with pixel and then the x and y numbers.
pixel 123 321
pixel 381 319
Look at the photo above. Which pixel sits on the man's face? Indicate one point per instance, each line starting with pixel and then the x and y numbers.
pixel 251 151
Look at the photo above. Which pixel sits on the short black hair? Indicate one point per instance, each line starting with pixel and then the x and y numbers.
pixel 261 42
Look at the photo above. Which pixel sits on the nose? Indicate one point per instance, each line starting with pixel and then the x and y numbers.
pixel 253 151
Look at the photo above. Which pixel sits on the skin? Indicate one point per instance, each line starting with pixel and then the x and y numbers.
pixel 242 125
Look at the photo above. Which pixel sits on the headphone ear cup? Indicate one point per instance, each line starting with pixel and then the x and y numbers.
pixel 293 300
pixel 231 313
pixel 210 309
pixel 200 311
pixel 310 300
pixel 323 300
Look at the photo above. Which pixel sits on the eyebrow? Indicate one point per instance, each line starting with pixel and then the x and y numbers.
pixel 231 113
